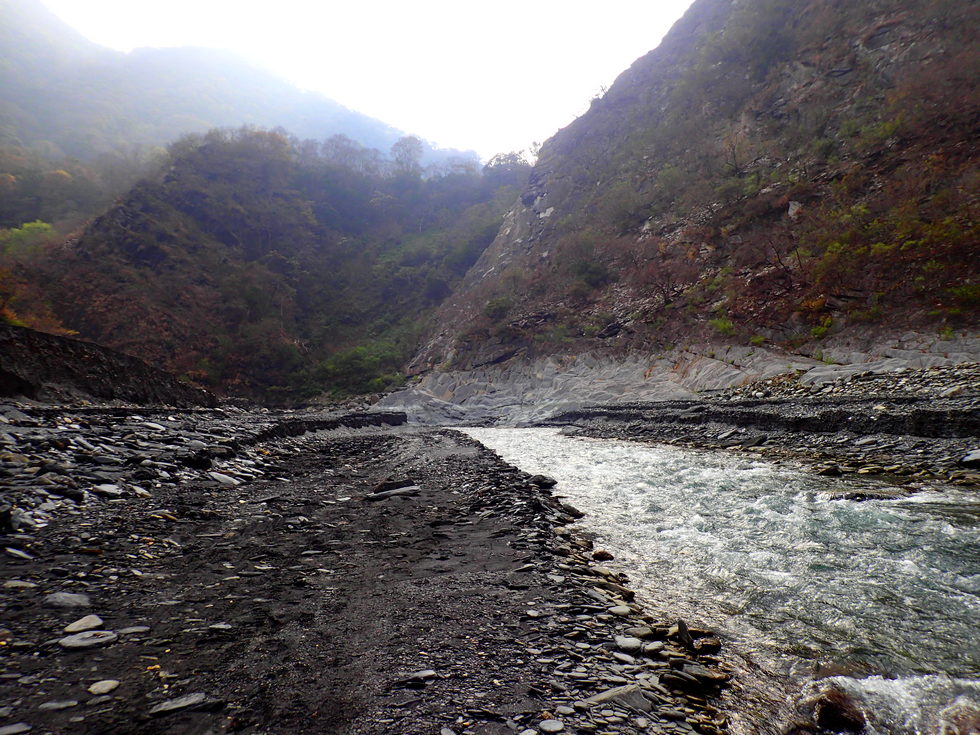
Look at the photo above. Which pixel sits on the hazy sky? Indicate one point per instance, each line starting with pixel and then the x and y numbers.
pixel 492 75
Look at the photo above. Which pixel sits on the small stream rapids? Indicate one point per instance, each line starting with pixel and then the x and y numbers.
pixel 879 599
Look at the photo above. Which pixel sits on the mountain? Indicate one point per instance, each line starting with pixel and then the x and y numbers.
pixel 102 116
pixel 64 95
pixel 262 266
pixel 775 172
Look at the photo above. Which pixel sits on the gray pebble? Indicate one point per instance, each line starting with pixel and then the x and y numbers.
pixel 89 622
pixel 224 479
pixel 57 706
pixel 178 704
pixel 103 687
pixel 88 639
pixel 67 599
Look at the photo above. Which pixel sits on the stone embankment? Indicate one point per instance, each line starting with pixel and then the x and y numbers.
pixel 220 571
pixel 907 425
pixel 529 391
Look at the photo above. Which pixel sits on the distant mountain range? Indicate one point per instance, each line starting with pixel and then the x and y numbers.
pixel 66 96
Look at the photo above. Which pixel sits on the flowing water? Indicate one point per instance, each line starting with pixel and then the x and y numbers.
pixel 879 598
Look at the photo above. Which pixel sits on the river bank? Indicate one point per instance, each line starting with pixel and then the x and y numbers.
pixel 810 590
pixel 906 427
pixel 229 571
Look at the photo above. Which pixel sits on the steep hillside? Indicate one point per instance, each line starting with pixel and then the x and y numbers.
pixel 775 172
pixel 269 267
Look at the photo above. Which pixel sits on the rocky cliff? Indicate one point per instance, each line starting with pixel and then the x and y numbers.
pixel 775 173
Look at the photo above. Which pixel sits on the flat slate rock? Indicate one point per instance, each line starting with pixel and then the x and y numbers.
pixel 104 687
pixel 88 639
pixel 67 599
pixel 89 622
pixel 178 704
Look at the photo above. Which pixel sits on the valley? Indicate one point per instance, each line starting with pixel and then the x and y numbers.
pixel 668 425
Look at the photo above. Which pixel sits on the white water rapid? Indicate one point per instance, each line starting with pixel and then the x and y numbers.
pixel 880 598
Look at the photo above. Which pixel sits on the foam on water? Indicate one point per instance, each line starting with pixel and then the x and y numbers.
pixel 799 582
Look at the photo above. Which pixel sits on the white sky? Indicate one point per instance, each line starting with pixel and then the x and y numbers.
pixel 491 76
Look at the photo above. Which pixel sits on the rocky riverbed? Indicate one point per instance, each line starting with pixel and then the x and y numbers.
pixel 907 426
pixel 211 569
pixel 220 570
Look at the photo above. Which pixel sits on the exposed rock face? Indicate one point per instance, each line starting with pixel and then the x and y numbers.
pixel 42 366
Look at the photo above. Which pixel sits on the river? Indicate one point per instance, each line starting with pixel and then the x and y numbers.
pixel 879 598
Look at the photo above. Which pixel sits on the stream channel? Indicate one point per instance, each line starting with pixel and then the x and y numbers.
pixel 880 598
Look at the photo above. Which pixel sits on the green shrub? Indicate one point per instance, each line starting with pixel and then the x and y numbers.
pixel 821 329
pixel 497 309
pixel 722 326
pixel 363 369
pixel 594 275
pixel 967 294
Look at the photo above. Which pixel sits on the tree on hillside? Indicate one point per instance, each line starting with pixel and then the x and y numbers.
pixel 407 156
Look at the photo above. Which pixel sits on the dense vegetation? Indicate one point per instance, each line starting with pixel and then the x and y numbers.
pixel 285 265
pixel 775 171
pixel 273 267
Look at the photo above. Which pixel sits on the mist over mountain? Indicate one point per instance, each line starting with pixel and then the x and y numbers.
pixel 64 95
pixel 103 117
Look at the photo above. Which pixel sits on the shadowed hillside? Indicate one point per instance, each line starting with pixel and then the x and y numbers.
pixel 266 266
